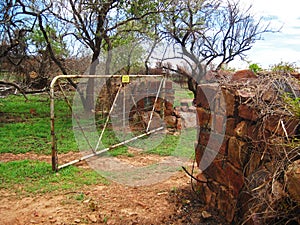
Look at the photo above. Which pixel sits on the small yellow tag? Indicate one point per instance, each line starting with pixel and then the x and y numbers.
pixel 125 79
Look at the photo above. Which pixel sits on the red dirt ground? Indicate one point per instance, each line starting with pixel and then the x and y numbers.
pixel 168 202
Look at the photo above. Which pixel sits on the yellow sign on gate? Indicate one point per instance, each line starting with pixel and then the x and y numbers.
pixel 125 79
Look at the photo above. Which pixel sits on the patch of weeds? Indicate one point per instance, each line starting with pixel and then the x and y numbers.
pixel 293 104
pixel 38 177
pixel 32 133
pixel 105 219
pixel 173 190
pixel 79 197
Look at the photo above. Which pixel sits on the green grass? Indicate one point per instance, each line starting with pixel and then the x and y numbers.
pixel 179 146
pixel 109 138
pixel 31 132
pixel 28 132
pixel 166 147
pixel 28 176
pixel 22 131
pixel 181 93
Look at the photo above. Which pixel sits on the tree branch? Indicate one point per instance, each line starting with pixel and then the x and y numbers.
pixel 16 86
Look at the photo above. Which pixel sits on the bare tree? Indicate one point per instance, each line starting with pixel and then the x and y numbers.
pixel 206 32
pixel 13 31
pixel 20 20
pixel 95 24
pixel 203 32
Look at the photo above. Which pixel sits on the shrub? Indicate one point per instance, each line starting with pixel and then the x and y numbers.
pixel 254 67
pixel 284 67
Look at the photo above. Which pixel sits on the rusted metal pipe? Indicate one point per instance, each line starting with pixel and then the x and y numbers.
pixel 54 155
pixel 109 148
pixel 107 120
pixel 155 101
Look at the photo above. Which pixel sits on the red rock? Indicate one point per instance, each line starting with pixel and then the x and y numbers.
pixel 206 195
pixel 279 125
pixel 203 117
pixel 214 142
pixel 179 124
pixel 241 129
pixel 230 126
pixel 155 122
pixel 205 156
pixel 171 121
pixel 247 113
pixel 226 204
pixel 253 163
pixel 206 94
pixel 252 133
pixel 198 154
pixel 210 197
pixel 201 177
pixel 168 112
pixel 230 102
pixel 168 105
pixel 237 151
pixel 243 74
pixel 292 179
pixel 204 137
pixel 269 95
pixel 225 174
pixel 219 124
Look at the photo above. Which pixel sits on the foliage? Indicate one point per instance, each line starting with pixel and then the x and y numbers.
pixel 37 177
pixel 284 67
pixel 293 104
pixel 37 39
pixel 255 68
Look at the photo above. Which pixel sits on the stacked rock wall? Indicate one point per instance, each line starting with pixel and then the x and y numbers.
pixel 234 151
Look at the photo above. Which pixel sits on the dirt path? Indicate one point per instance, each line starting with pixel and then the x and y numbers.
pixel 168 202
pixel 63 158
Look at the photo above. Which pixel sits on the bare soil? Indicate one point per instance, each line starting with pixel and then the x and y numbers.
pixel 170 202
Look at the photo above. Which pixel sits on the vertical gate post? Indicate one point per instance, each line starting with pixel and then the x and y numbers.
pixel 52 118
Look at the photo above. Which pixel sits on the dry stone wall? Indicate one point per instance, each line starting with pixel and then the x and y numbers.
pixel 235 150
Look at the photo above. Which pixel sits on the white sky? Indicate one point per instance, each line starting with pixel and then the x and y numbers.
pixel 276 47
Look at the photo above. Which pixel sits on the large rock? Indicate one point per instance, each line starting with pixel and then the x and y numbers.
pixel 292 179
pixel 156 121
pixel 171 121
pixel 189 119
pixel 243 74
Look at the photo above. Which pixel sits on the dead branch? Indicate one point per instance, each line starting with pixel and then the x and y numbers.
pixel 16 86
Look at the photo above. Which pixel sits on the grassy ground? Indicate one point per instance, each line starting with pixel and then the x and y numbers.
pixel 25 127
pixel 27 176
